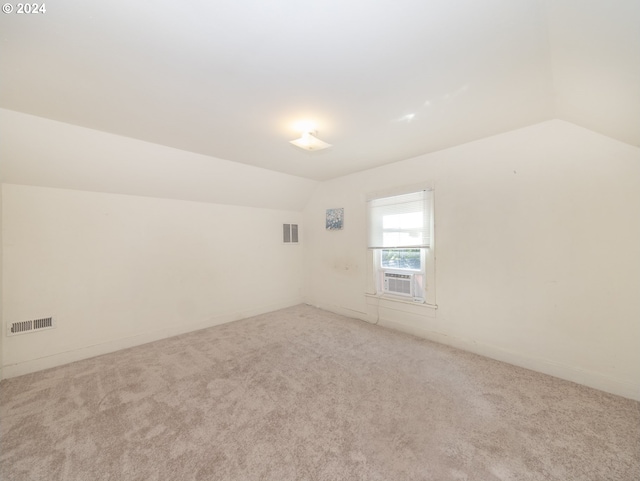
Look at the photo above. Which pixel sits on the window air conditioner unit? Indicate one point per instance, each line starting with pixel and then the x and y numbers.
pixel 399 284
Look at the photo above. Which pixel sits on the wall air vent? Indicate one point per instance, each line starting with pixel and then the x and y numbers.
pixel 24 327
pixel 398 284
pixel 290 233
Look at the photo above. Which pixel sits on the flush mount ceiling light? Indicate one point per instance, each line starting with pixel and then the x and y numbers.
pixel 310 142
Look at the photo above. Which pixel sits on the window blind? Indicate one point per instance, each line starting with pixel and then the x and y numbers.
pixel 400 221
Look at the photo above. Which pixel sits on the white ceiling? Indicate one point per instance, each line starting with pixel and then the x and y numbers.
pixel 383 80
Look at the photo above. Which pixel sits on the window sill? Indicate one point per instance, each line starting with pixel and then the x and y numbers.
pixel 385 298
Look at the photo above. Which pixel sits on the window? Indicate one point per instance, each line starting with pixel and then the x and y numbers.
pixel 400 235
pixel 401 258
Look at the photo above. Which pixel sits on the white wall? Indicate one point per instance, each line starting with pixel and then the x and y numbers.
pixel 118 270
pixel 537 246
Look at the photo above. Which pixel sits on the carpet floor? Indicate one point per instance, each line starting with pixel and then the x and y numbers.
pixel 303 394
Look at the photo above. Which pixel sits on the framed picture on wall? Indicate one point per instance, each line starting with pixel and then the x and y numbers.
pixel 335 219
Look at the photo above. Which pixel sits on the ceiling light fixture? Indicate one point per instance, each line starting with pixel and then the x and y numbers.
pixel 310 142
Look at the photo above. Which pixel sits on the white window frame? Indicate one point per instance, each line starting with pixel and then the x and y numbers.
pixel 425 294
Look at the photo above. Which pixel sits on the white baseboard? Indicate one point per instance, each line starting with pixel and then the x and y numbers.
pixel 380 310
pixel 86 352
pixel 592 379
pixel 343 311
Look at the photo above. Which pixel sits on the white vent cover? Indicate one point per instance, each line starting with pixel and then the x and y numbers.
pixel 290 233
pixel 33 325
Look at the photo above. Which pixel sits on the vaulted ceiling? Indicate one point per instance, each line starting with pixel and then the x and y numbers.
pixel 383 80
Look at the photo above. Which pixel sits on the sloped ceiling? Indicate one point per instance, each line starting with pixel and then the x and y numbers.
pixel 383 80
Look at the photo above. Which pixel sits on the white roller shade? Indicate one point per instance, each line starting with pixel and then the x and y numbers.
pixel 401 221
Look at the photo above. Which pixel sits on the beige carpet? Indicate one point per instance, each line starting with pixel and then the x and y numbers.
pixel 302 394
